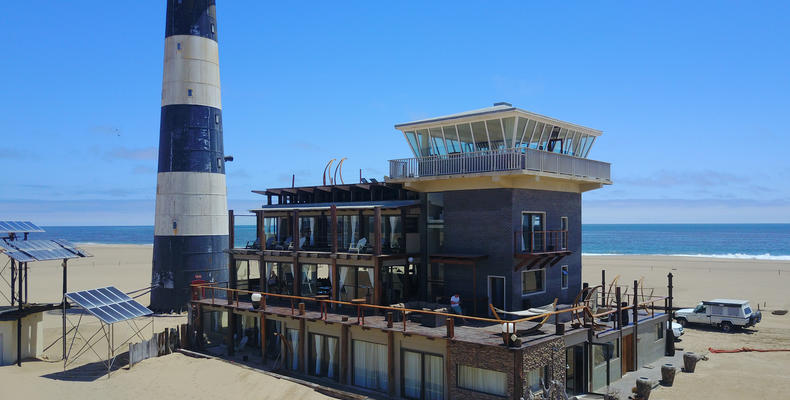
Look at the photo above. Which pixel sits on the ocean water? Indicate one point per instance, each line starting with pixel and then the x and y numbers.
pixel 757 241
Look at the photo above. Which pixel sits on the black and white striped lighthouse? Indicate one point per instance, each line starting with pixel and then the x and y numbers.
pixel 191 226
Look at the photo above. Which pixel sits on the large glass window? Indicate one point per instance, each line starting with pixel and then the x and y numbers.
pixel 349 234
pixel 248 274
pixel 538 141
pixel 533 281
pixel 437 142
pixel 564 271
pixel 482 380
pixel 356 283
pixel 494 127
pixel 451 139
pixel 480 135
pixel 533 232
pixel 324 356
pixel 465 135
pixel 423 376
pixel 415 146
pixel 279 277
pixel 425 142
pixel 370 365
pixel 316 280
pixel 391 238
pixel 292 349
pixel 529 134
pixel 509 125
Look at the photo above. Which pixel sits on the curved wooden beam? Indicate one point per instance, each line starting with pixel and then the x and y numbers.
pixel 339 168
pixel 328 167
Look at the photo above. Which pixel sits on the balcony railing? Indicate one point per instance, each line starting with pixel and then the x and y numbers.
pixel 519 159
pixel 534 242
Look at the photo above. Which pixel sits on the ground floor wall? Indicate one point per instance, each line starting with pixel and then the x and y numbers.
pixel 32 338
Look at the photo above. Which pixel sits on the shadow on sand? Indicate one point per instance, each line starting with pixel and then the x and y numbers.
pixel 91 371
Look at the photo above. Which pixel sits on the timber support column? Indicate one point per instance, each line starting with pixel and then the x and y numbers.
pixel 344 346
pixel 263 337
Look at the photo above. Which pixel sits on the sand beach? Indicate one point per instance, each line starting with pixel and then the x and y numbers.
pixel 724 376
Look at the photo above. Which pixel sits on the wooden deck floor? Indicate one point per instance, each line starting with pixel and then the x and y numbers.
pixel 471 331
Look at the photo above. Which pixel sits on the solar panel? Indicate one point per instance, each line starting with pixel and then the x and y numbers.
pixel 41 250
pixel 109 304
pixel 15 254
pixel 18 227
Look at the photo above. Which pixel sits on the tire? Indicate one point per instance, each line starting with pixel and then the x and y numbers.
pixel 726 326
pixel 681 321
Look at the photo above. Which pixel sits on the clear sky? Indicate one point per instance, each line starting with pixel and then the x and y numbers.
pixel 692 98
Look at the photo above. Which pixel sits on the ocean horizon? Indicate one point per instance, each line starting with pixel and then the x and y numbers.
pixel 737 241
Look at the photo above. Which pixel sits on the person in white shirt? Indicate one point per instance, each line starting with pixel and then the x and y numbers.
pixel 455 304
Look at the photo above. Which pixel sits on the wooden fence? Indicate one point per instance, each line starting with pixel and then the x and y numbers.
pixel 159 344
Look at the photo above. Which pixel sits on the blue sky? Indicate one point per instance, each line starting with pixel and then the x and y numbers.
pixel 692 98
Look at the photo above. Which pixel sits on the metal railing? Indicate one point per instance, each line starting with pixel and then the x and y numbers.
pixel 526 242
pixel 516 159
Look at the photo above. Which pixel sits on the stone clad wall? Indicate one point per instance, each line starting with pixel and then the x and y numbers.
pixel 542 355
pixel 487 357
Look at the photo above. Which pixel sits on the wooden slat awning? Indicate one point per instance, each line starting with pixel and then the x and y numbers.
pixel 539 260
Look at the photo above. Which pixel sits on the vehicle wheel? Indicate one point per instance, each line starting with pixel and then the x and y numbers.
pixel 726 326
pixel 681 321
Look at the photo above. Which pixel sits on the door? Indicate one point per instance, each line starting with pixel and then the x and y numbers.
pixel 533 231
pixel 496 291
pixel 628 353
pixel 700 315
pixel 574 370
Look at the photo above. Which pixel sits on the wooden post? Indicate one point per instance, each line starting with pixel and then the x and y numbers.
pixel 333 221
pixel 65 264
pixel 603 288
pixel 619 322
pixel 297 269
pixel 377 234
pixel 232 271
pixel 450 327
pixel 344 343
pixel 335 280
pixel 376 280
pixel 260 230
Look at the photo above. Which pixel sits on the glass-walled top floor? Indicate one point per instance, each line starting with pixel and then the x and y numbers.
pixel 497 134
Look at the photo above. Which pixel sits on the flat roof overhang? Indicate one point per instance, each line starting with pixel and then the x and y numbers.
pixel 498 111
pixel 518 179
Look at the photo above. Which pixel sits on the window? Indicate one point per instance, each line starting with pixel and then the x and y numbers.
pixel 370 365
pixel 279 277
pixel 564 276
pixel 422 375
pixel 189 92
pixel 534 377
pixel 533 281
pixel 292 349
pixel 315 280
pixel 564 233
pixel 659 331
pixel 324 356
pixel 355 283
pixel 178 45
pixel 482 380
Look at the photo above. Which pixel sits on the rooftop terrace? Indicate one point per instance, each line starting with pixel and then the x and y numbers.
pixel 501 139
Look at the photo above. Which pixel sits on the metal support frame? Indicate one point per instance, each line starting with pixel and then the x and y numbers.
pixel 107 332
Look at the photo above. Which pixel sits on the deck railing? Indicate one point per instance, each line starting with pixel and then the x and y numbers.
pixel 516 159
pixel 526 242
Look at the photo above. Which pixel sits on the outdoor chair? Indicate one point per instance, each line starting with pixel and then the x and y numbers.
pixel 301 243
pixel 286 244
pixel 359 247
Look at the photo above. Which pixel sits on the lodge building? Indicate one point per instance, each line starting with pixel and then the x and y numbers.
pixel 355 279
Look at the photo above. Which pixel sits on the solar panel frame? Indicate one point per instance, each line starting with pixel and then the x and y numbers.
pixel 109 304
pixel 42 250
pixel 19 227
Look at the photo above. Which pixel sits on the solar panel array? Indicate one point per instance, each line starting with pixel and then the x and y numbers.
pixel 40 250
pixel 18 227
pixel 109 304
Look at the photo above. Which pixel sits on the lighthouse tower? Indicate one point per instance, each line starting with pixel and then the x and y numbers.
pixel 191 226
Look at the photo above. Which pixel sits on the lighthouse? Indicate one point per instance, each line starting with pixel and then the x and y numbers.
pixel 191 224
